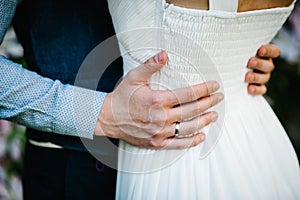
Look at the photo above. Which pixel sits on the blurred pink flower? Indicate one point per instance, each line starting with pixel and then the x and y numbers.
pixel 5 127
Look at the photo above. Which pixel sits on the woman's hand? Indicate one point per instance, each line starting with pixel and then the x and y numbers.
pixel 262 66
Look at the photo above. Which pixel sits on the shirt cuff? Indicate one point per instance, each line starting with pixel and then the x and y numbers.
pixel 77 111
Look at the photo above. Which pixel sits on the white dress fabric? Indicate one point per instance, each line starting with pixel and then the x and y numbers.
pixel 247 153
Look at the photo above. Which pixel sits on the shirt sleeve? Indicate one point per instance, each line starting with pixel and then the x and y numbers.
pixel 41 103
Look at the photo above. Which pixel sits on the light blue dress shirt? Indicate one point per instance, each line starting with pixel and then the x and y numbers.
pixel 41 103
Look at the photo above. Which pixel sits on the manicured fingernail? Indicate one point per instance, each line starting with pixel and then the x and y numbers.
pixel 159 57
pixel 216 86
pixel 262 52
pixel 252 89
pixel 250 77
pixel 214 117
pixel 254 63
pixel 202 137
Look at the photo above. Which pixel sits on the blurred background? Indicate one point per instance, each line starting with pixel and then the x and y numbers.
pixel 283 95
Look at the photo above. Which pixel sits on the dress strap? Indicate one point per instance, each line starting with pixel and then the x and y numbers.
pixel 224 5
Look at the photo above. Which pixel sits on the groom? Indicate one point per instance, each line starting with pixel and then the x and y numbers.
pixel 57 36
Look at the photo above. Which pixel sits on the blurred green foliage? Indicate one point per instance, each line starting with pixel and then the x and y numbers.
pixel 14 163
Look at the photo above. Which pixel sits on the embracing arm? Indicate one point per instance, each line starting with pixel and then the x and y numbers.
pixel 48 105
pixel 41 103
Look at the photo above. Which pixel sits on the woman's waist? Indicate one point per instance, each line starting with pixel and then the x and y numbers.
pixel 230 82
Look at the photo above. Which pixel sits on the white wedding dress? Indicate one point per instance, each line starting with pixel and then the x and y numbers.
pixel 247 153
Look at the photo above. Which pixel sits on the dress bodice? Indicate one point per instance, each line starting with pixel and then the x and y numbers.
pixel 209 41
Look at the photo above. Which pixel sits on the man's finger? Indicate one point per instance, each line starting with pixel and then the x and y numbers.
pixel 146 70
pixel 188 94
pixel 175 143
pixel 268 51
pixel 160 58
pixel 194 125
pixel 197 123
pixel 195 108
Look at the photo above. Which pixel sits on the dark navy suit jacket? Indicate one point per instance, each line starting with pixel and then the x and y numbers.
pixel 57 36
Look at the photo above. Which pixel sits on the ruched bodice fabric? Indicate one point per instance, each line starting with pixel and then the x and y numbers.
pixel 247 153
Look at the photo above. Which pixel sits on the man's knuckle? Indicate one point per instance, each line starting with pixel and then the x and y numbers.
pixel 206 90
pixel 152 143
pixel 160 134
pixel 156 99
pixel 167 117
pixel 199 109
pixel 191 94
pixel 156 144
pixel 159 119
pixel 132 75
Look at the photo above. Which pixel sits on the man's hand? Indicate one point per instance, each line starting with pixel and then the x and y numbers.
pixel 146 118
pixel 262 66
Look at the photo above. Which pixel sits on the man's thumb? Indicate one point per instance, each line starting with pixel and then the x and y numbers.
pixel 152 65
pixel 160 58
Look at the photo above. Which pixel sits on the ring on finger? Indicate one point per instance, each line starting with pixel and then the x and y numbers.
pixel 177 132
pixel 177 127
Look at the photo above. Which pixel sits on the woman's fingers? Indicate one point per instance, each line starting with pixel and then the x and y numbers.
pixel 257 89
pixel 257 78
pixel 262 65
pixel 268 51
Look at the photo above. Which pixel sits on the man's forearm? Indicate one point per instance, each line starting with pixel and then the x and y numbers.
pixel 41 103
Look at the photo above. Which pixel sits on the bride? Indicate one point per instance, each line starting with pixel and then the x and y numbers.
pixel 247 154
